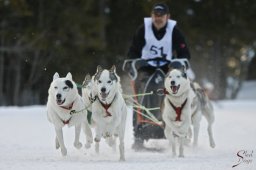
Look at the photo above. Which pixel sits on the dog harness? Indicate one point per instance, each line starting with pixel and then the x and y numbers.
pixel 178 109
pixel 66 121
pixel 67 108
pixel 106 107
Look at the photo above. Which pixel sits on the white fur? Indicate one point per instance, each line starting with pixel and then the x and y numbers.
pixel 199 109
pixel 175 128
pixel 192 112
pixel 58 112
pixel 112 126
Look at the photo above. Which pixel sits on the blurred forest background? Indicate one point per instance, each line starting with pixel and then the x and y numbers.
pixel 41 37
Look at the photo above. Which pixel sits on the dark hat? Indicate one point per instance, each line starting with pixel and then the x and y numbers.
pixel 160 9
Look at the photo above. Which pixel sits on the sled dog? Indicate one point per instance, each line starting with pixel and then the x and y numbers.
pixel 66 107
pixel 184 105
pixel 201 106
pixel 109 109
pixel 88 93
pixel 177 108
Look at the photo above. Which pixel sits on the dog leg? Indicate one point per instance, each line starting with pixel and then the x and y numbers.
pixel 77 143
pixel 196 126
pixel 59 134
pixel 97 147
pixel 173 143
pixel 88 135
pixel 212 143
pixel 188 138
pixel 210 119
pixel 181 147
pixel 57 144
pixel 121 149
pixel 98 133
pixel 121 140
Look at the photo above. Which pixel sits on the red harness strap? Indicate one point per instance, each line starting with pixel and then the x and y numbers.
pixel 68 107
pixel 178 109
pixel 106 107
pixel 66 121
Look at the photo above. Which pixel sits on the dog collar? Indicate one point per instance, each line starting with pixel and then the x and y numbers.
pixel 178 109
pixel 68 107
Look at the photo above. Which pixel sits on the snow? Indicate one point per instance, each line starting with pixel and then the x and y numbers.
pixel 27 143
pixel 248 90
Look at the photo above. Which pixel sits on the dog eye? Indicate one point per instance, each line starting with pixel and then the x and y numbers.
pixel 65 88
pixel 178 76
pixel 109 81
pixel 55 87
pixel 99 81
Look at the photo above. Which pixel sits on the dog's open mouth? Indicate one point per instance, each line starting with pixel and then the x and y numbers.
pixel 60 102
pixel 175 89
pixel 104 95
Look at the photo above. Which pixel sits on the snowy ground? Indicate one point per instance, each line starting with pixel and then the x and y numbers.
pixel 27 142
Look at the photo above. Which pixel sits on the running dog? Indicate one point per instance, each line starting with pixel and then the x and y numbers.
pixel 201 106
pixel 177 108
pixel 184 105
pixel 109 109
pixel 88 93
pixel 66 107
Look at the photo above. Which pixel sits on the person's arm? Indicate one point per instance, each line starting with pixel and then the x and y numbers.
pixel 138 43
pixel 179 44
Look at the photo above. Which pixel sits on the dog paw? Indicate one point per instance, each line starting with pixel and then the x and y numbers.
pixel 107 135
pixel 64 152
pixel 57 145
pixel 212 144
pixel 110 141
pixel 181 156
pixel 78 145
pixel 97 139
pixel 87 145
pixel 122 159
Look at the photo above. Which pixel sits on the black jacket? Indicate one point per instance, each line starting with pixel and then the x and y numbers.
pixel 179 46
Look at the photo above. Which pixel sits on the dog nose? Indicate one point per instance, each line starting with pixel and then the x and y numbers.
pixel 58 96
pixel 173 83
pixel 103 89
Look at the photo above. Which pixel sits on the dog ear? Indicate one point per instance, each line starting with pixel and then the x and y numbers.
pixel 69 76
pixel 99 69
pixel 87 77
pixel 170 68
pixel 113 69
pixel 56 75
pixel 184 72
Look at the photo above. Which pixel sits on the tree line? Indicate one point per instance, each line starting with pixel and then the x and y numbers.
pixel 39 38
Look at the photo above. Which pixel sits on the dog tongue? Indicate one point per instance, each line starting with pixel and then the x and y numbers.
pixel 174 89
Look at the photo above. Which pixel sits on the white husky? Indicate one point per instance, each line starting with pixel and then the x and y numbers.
pixel 183 104
pixel 66 107
pixel 109 109
pixel 177 108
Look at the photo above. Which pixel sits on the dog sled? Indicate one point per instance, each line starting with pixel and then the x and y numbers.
pixel 148 97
